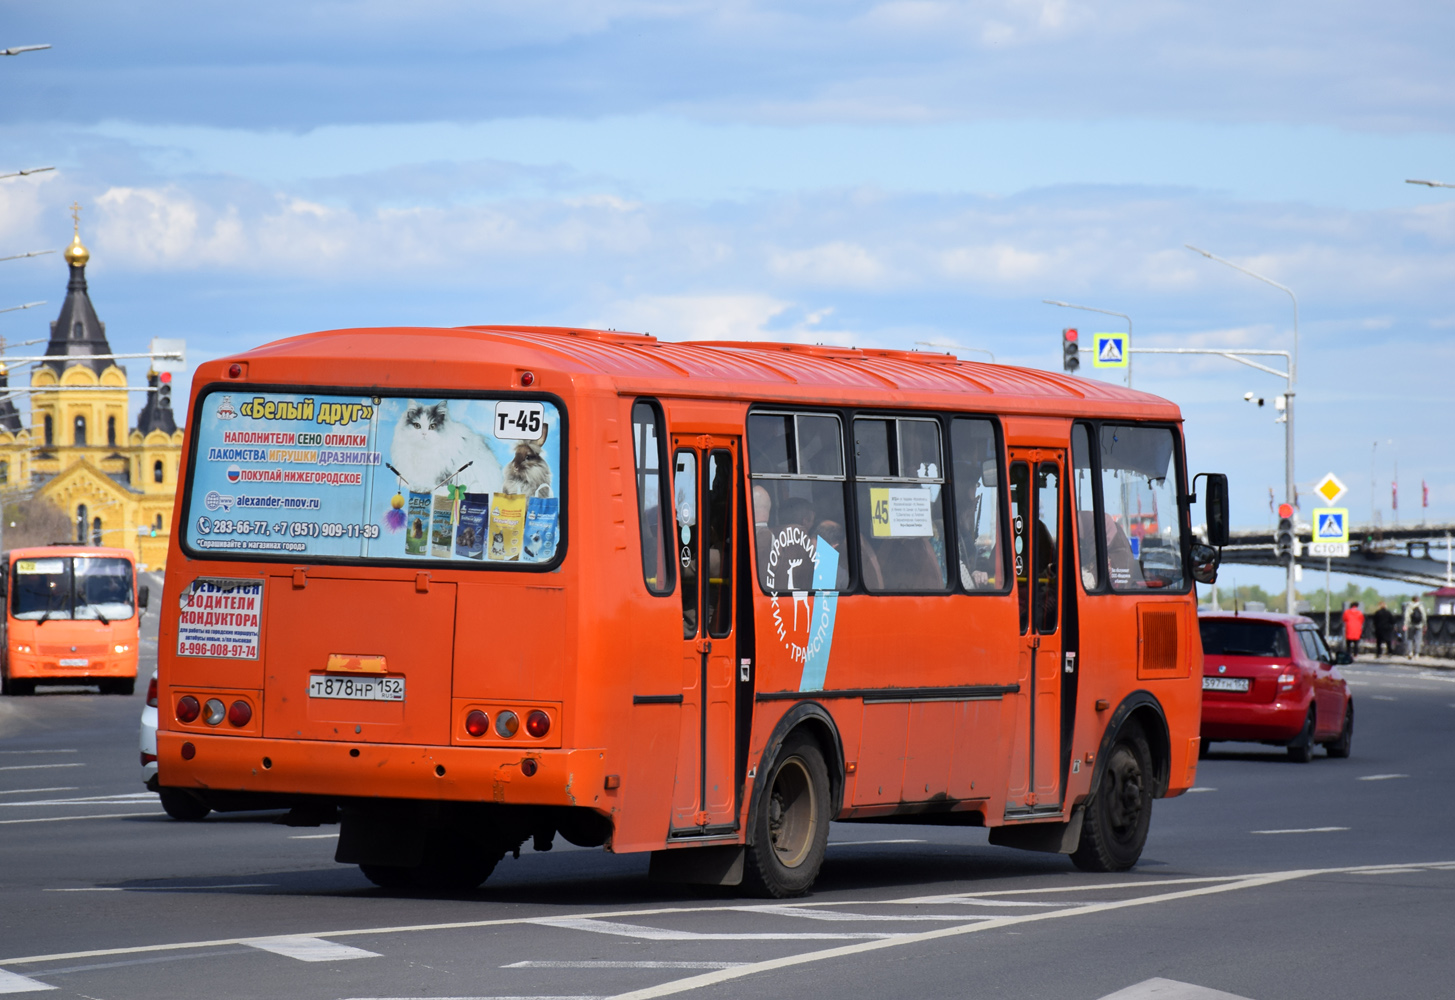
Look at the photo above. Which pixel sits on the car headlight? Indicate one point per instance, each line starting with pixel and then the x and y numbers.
pixel 21 647
pixel 122 647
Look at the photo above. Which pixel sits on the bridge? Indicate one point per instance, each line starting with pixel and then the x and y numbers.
pixel 1418 554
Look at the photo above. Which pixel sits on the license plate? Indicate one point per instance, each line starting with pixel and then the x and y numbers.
pixel 75 663
pixel 356 688
pixel 1225 683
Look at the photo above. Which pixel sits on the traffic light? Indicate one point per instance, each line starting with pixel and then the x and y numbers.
pixel 165 391
pixel 1069 348
pixel 1283 539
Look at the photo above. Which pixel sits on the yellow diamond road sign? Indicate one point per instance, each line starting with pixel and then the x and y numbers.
pixel 1330 489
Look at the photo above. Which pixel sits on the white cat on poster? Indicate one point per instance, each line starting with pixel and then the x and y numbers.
pixel 430 447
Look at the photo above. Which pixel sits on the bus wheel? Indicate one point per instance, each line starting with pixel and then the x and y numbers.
pixel 124 686
pixel 1114 828
pixel 181 804
pixel 1345 742
pixel 1301 750
pixel 792 827
pixel 448 874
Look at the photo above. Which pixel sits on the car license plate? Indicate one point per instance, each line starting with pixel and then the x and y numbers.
pixel 75 663
pixel 356 688
pixel 1225 683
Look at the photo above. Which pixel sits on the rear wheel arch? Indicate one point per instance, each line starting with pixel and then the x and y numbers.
pixel 1141 708
pixel 814 720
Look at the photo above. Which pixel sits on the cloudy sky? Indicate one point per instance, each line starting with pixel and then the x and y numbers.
pixel 846 172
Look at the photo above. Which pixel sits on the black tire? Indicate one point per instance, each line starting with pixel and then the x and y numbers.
pixel 447 874
pixel 1204 747
pixel 182 805
pixel 1340 748
pixel 126 687
pixel 21 687
pixel 1301 750
pixel 1119 812
pixel 790 834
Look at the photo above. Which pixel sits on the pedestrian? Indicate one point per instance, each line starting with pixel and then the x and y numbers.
pixel 1414 628
pixel 1353 628
pixel 1383 630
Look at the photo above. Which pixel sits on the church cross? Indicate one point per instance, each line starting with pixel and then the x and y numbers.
pixel 76 215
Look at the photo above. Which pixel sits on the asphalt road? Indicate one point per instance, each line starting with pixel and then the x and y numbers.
pixel 1271 880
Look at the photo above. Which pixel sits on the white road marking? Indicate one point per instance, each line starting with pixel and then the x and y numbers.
pixel 36 767
pixel 1201 788
pixel 166 888
pixel 1383 697
pixel 62 819
pixel 578 997
pixel 37 751
pixel 314 836
pixel 1381 777
pixel 1169 989
pixel 140 798
pixel 1307 829
pixel 863 947
pixel 1230 882
pixel 13 982
pixel 1007 902
pixel 667 934
pixel 596 963
pixel 37 791
pixel 862 843
pixel 838 915
pixel 310 949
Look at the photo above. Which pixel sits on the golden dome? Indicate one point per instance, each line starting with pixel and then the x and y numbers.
pixel 76 253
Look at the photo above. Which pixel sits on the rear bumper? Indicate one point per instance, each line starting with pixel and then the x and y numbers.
pixel 1234 720
pixel 391 771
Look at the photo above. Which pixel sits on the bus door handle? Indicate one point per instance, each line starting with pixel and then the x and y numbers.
pixel 704 646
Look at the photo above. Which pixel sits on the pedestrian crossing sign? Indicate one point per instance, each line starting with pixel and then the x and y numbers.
pixel 1109 350
pixel 1331 524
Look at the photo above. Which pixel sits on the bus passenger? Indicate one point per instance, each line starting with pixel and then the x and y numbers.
pixel 1124 568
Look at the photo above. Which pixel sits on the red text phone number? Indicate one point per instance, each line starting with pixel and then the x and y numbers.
pixel 232 649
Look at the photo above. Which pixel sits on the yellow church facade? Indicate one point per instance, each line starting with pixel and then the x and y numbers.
pixel 116 482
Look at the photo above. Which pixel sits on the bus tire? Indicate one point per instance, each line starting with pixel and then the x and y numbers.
pixel 792 829
pixel 447 874
pixel 1341 746
pixel 182 805
pixel 1301 750
pixel 1114 829
pixel 125 686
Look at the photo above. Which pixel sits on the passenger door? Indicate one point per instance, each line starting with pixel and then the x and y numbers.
pixel 1036 478
pixel 704 492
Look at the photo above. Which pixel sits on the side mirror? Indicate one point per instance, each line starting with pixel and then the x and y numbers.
pixel 1205 562
pixel 142 594
pixel 1216 507
pixel 1342 658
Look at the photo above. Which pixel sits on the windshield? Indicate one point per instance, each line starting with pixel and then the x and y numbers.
pixel 82 587
pixel 1222 637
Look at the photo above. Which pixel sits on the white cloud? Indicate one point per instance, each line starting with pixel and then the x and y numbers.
pixel 836 264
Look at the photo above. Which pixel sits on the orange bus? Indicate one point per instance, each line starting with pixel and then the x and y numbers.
pixel 73 617
pixel 466 588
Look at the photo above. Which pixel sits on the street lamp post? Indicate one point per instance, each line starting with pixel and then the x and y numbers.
pixel 28 305
pixel 1289 491
pixel 23 256
pixel 26 173
pixel 1105 312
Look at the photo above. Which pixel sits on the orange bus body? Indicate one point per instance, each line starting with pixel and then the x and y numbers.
pixel 927 706
pixel 66 650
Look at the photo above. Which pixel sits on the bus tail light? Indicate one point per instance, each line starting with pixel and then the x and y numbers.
pixel 188 708
pixel 537 723
pixel 506 723
pixel 152 692
pixel 216 712
pixel 477 723
pixel 240 714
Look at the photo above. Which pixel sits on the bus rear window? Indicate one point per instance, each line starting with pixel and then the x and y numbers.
pixel 1221 637
pixel 470 481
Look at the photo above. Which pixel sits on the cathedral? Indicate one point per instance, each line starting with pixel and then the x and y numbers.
pixel 115 483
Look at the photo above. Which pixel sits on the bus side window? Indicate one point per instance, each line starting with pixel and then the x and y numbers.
pixel 977 504
pixel 718 538
pixel 649 449
pixel 1085 507
pixel 684 492
pixel 1020 519
pixel 796 464
pixel 1047 552
pixel 899 474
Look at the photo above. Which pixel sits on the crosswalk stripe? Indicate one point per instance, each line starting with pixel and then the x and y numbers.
pixel 13 982
pixel 310 949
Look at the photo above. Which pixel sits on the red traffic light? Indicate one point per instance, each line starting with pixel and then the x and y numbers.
pixel 1285 510
pixel 1070 334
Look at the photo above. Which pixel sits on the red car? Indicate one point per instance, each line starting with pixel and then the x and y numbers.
pixel 1271 679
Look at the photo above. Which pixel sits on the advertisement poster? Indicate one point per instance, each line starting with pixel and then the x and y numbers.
pixel 300 475
pixel 221 618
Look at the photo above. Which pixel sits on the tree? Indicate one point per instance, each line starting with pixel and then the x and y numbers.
pixel 35 521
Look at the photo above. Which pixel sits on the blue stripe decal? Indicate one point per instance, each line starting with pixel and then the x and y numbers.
pixel 825 611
